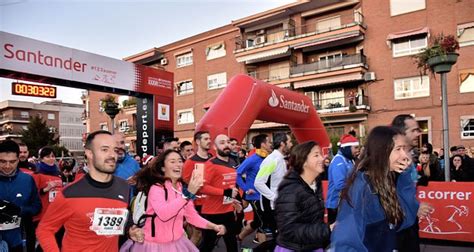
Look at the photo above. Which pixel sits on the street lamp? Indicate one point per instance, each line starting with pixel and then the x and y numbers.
pixel 442 64
pixel 111 109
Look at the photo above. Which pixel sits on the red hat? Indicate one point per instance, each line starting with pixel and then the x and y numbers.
pixel 348 140
pixel 147 159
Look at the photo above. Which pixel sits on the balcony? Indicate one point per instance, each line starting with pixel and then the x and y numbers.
pixel 342 105
pixel 344 27
pixel 338 63
pixel 17 119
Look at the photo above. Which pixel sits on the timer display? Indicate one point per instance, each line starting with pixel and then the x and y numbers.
pixel 34 90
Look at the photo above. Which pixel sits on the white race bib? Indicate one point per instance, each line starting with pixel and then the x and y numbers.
pixel 52 195
pixel 227 200
pixel 12 224
pixel 109 221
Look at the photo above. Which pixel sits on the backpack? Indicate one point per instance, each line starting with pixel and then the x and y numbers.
pixel 138 209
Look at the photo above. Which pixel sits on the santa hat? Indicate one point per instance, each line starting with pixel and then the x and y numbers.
pixel 348 140
pixel 147 159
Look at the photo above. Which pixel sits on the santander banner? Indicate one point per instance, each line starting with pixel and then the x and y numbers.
pixel 25 55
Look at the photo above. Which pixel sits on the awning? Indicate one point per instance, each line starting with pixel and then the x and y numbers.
pixel 329 80
pixel 325 40
pixel 264 54
pixel 284 85
pixel 403 34
pixel 267 125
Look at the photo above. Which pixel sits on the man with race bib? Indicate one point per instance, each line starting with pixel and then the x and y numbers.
pixel 18 196
pixel 93 210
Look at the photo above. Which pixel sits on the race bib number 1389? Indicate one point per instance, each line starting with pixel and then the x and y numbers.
pixel 109 221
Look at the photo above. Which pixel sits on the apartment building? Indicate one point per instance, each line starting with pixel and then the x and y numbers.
pixel 396 31
pixel 63 119
pixel 94 117
pixel 351 57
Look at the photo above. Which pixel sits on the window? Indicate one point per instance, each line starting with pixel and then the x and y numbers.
pixel 185 116
pixel 466 34
pixel 412 87
pixel 330 60
pixel 328 24
pixel 184 60
pixel 398 7
pixel 185 87
pixel 279 71
pixel 409 45
pixel 215 81
pixel 25 114
pixel 215 51
pixel 333 98
pixel 467 127
pixel 104 126
pixel 466 81
pixel 51 116
pixel 313 96
pixel 52 129
pixel 123 126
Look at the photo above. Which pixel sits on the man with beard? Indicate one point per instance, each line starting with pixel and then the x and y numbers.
pixel 407 234
pixel 94 209
pixel 24 165
pixel 220 193
pixel 202 139
pixel 18 196
pixel 126 165
pixel 271 173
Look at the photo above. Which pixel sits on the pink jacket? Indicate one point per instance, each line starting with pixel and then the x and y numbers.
pixel 170 214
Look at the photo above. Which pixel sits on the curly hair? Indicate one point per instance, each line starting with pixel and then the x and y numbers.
pixel 153 173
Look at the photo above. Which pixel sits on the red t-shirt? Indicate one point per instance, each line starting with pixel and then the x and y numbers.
pixel 79 207
pixel 42 181
pixel 218 175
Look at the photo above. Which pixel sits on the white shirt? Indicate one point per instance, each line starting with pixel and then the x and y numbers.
pixel 273 166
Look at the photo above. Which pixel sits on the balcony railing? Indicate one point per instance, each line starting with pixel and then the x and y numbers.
pixel 281 74
pixel 341 104
pixel 17 118
pixel 338 62
pixel 255 39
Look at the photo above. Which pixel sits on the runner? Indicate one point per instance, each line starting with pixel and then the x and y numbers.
pixel 93 210
pixel 18 196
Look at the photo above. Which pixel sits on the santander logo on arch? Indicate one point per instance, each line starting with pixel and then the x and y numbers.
pixel 274 102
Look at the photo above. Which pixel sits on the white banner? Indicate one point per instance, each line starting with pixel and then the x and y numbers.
pixel 32 56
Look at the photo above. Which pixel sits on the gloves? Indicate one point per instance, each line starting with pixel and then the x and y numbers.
pixel 8 210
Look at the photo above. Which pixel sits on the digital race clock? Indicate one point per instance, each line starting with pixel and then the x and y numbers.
pixel 27 89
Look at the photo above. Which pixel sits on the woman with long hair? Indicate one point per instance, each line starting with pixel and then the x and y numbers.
pixel 370 212
pixel 299 207
pixel 171 201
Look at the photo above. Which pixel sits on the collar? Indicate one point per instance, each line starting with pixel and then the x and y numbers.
pixel 98 184
pixel 261 152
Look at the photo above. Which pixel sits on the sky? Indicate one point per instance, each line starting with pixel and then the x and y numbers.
pixel 117 29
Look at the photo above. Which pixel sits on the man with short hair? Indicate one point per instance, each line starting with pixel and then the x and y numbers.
pixel 220 194
pixel 234 150
pixel 249 168
pixel 171 143
pixel 127 167
pixel 94 209
pixel 407 234
pixel 202 139
pixel 272 170
pixel 24 165
pixel 18 196
pixel 186 149
pixel 466 161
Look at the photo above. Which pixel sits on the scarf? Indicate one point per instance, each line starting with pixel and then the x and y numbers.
pixel 261 152
pixel 48 169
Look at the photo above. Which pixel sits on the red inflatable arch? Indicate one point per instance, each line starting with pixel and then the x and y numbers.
pixel 245 100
